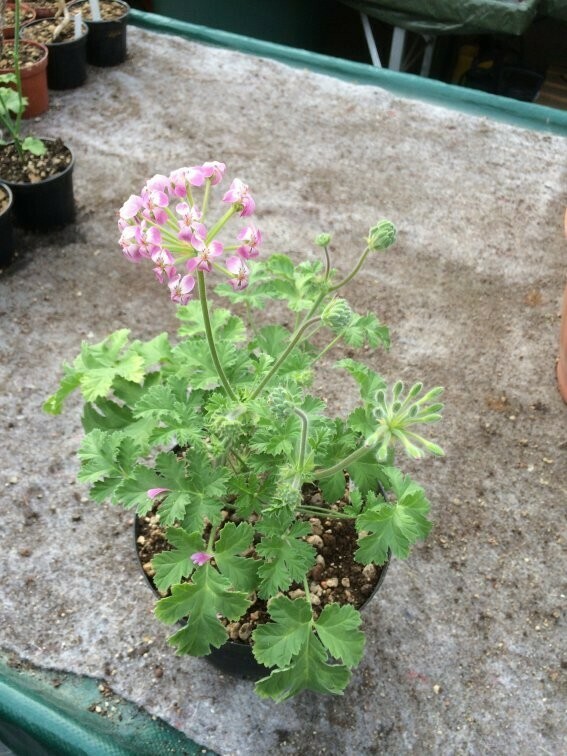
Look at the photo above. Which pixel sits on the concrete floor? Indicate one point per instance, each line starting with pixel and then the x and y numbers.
pixel 466 644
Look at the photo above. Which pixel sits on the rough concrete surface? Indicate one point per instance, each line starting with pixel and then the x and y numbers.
pixel 466 646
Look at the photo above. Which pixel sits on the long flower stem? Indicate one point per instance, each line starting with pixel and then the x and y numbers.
pixel 220 223
pixel 353 272
pixel 209 335
pixel 303 440
pixel 206 196
pixel 276 366
pixel 330 345
pixel 340 466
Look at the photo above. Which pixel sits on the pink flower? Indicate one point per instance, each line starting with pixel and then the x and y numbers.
pixel 252 238
pixel 200 558
pixel 238 195
pixel 179 182
pixel 237 267
pixel 131 207
pixel 181 288
pixel 154 492
pixel 130 241
pixel 198 174
pixel 154 203
pixel 158 183
pixel 190 229
pixel 206 253
pixel 164 270
pixel 214 170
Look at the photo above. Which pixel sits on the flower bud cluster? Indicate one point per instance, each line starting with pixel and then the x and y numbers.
pixel 281 403
pixel 337 314
pixel 382 235
pixel 163 224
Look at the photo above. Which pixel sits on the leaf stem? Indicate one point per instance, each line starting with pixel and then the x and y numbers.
pixel 313 511
pixel 209 335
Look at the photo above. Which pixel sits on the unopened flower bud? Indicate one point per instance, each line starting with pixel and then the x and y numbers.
pixel 323 240
pixel 382 235
pixel 337 314
pixel 280 402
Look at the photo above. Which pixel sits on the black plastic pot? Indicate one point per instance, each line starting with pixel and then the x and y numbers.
pixel 66 61
pixel 106 42
pixel 6 231
pixel 235 658
pixel 45 204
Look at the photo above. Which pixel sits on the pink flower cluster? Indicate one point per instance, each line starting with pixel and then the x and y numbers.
pixel 163 224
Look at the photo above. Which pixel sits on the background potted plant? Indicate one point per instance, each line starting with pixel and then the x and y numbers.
pixel 38 171
pixel 27 62
pixel 107 24
pixel 6 232
pixel 275 513
pixel 27 13
pixel 65 37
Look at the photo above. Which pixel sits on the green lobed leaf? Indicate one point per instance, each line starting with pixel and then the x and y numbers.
pixel 394 526
pixel 174 565
pixel 276 642
pixel 208 595
pixel 338 629
pixel 309 670
pixel 368 380
pixel 366 329
pixel 286 559
pixel 196 489
pixel 241 571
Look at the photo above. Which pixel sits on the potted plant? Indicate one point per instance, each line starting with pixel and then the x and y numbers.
pixel 39 172
pixel 273 515
pixel 6 232
pixel 65 37
pixel 107 24
pixel 27 13
pixel 26 61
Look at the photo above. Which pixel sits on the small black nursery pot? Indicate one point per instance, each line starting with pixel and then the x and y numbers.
pixel 48 203
pixel 106 42
pixel 6 220
pixel 67 58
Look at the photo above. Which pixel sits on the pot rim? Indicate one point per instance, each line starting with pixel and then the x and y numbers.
pixel 42 182
pixel 89 21
pixel 38 65
pixel 4 187
pixel 84 29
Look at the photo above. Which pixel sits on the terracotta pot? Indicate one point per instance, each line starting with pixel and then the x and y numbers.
pixel 34 81
pixel 106 43
pixel 6 234
pixel 44 11
pixel 27 15
pixel 67 60
pixel 562 361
